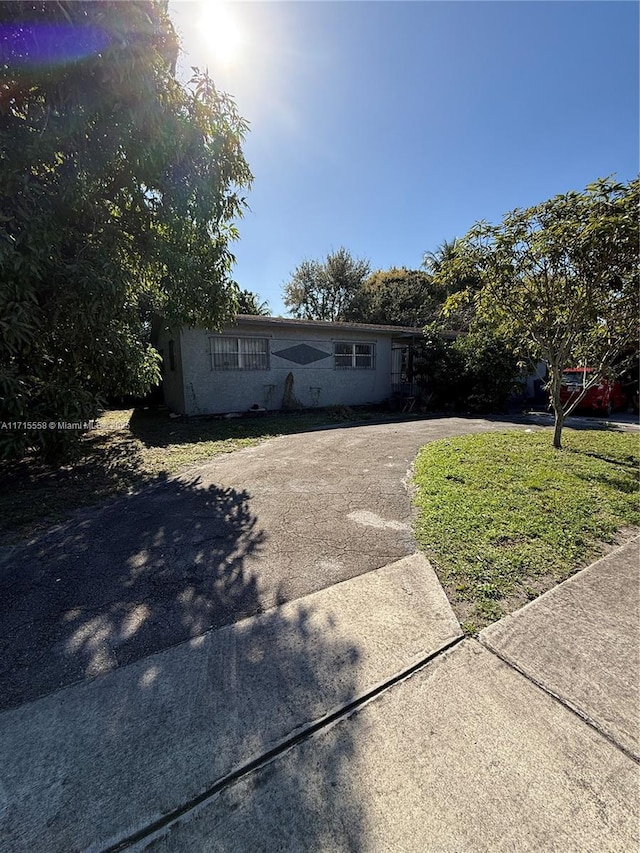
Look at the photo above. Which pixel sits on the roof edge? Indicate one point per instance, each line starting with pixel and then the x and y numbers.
pixel 326 324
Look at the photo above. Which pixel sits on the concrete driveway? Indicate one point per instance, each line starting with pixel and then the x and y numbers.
pixel 229 539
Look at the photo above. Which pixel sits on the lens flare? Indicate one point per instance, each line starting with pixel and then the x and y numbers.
pixel 29 45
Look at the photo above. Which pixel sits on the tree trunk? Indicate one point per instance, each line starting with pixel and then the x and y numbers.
pixel 556 378
pixel 557 432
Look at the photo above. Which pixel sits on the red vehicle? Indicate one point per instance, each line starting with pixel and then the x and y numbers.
pixel 604 397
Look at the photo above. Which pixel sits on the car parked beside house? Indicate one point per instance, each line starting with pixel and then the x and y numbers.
pixel 606 396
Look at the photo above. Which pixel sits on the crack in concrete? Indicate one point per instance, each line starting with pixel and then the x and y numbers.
pixel 328 720
pixel 566 703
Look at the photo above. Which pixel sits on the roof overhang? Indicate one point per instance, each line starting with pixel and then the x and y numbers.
pixel 290 322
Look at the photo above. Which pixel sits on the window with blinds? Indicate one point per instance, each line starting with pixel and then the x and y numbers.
pixel 350 356
pixel 239 353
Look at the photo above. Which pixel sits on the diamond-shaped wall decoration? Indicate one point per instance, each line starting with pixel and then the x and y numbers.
pixel 302 354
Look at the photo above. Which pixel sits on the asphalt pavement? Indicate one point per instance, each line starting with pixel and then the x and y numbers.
pixel 227 540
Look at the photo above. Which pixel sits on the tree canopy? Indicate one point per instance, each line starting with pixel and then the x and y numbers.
pixel 434 261
pixel 472 372
pixel 120 188
pixel 249 303
pixel 324 290
pixel 397 297
pixel 450 278
pixel 560 279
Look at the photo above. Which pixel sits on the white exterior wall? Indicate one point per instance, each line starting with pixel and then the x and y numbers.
pixel 208 391
pixel 529 380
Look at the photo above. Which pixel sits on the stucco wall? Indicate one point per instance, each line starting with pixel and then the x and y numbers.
pixel 172 380
pixel 208 391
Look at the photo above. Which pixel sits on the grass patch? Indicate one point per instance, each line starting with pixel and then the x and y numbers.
pixel 132 448
pixel 504 516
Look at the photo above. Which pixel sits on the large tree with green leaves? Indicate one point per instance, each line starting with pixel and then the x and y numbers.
pixel 560 279
pixel 397 297
pixel 324 290
pixel 474 372
pixel 119 190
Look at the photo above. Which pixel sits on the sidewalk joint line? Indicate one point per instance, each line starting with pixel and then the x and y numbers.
pixel 342 712
pixel 564 702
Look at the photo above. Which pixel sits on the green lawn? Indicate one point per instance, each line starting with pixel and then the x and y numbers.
pixel 503 516
pixel 132 448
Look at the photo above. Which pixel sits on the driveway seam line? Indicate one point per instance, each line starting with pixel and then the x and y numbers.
pixel 562 701
pixel 342 712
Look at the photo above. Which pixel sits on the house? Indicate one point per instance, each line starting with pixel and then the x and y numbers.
pixel 274 362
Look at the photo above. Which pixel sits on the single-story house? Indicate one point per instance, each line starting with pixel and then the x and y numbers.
pixel 275 362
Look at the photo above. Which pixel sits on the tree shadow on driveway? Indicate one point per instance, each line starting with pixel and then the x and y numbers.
pixel 88 766
pixel 113 585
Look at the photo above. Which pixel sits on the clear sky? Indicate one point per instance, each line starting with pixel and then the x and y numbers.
pixel 387 127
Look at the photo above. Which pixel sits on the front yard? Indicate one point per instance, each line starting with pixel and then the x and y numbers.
pixel 504 517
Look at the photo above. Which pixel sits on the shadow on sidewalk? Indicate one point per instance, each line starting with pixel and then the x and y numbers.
pixel 268 681
pixel 86 765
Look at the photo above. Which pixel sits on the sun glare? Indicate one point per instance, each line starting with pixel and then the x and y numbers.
pixel 220 32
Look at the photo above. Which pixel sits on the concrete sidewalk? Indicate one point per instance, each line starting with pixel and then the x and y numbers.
pixel 91 764
pixel 468 754
pixel 353 719
pixel 581 643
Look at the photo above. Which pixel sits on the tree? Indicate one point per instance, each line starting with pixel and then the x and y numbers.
pixel 119 192
pixel 324 290
pixel 475 371
pixel 438 367
pixel 434 261
pixel 560 279
pixel 397 297
pixel 249 303
pixel 459 279
pixel 490 369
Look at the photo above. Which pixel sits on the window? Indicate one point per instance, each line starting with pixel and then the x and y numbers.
pixel 354 356
pixel 239 353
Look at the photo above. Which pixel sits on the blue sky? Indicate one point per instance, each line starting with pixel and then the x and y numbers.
pixel 388 127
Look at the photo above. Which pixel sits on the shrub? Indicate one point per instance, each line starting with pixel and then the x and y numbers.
pixel 476 372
